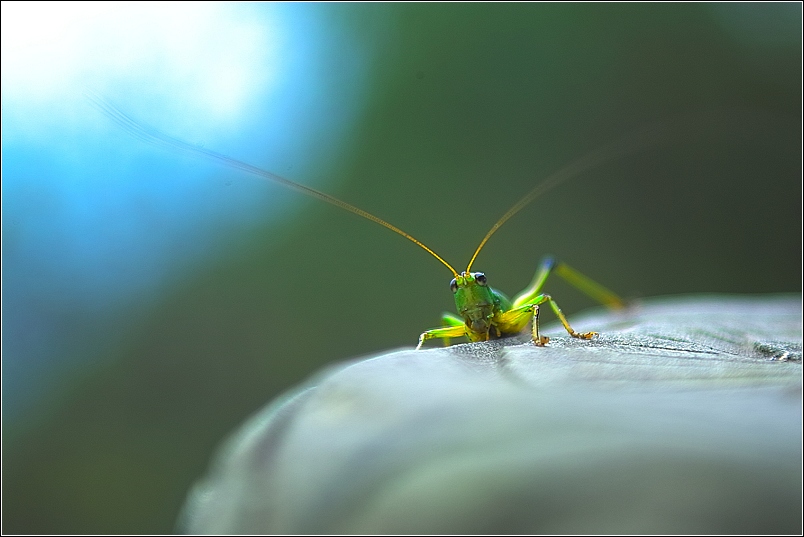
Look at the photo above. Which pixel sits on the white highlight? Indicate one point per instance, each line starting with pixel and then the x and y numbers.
pixel 212 55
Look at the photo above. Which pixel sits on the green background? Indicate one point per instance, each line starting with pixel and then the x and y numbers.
pixel 469 106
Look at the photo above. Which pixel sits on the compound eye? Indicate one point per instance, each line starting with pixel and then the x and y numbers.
pixel 480 278
pixel 453 285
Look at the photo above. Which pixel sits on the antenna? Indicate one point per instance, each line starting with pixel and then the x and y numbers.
pixel 153 136
pixel 615 150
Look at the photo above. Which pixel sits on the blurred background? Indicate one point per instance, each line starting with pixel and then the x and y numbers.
pixel 153 300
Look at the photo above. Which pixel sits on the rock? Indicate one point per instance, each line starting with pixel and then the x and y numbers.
pixel 683 416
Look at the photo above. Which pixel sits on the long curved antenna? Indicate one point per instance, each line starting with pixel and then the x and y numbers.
pixel 615 150
pixel 151 135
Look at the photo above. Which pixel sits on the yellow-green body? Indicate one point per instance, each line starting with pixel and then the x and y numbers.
pixel 485 313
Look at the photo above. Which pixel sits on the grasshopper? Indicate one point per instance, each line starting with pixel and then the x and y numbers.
pixel 483 312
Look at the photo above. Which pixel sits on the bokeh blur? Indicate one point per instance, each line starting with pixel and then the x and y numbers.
pixel 153 300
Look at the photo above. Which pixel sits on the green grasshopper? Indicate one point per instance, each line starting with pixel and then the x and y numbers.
pixel 484 313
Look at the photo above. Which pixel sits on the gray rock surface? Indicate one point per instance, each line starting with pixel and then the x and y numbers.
pixel 683 416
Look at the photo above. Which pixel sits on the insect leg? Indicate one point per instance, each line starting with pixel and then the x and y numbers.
pixel 573 277
pixel 450 319
pixel 512 320
pixel 547 298
pixel 443 332
pixel 590 287
pixel 515 319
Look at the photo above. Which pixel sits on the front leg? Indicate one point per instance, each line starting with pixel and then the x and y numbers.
pixel 514 321
pixel 580 335
pixel 445 332
pixel 538 339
